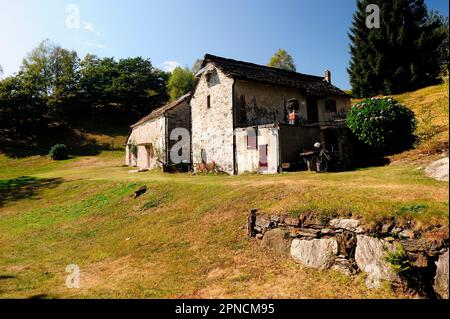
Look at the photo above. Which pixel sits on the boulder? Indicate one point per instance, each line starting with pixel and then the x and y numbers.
pixel 370 257
pixel 438 169
pixel 276 240
pixel 347 224
pixel 316 253
pixel 442 277
pixel 262 221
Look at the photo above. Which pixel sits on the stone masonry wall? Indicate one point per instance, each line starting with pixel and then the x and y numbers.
pixel 212 128
pixel 388 251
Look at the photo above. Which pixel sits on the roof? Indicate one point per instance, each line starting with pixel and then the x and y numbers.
pixel 162 110
pixel 311 84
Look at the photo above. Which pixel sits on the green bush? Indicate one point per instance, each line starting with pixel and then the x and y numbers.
pixel 382 123
pixel 59 152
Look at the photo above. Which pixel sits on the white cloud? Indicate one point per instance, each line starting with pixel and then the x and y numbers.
pixel 169 66
pixel 90 27
pixel 95 45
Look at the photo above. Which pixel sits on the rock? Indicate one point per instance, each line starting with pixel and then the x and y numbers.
pixel 326 231
pixel 259 236
pixel 347 224
pixel 291 221
pixel 396 230
pixel 303 232
pixel 251 220
pixel 344 266
pixel 277 241
pixel 316 253
pixel 346 243
pixel 390 239
pixel 277 219
pixel 438 170
pixel 311 220
pixel 370 257
pixel 387 226
pixel 262 221
pixel 442 277
pixel 407 233
pixel 140 191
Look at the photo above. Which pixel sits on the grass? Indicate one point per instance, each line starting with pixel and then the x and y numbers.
pixel 186 237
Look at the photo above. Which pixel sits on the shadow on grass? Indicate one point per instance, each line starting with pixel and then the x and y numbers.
pixel 24 187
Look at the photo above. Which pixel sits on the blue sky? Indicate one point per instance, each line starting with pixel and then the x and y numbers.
pixel 178 32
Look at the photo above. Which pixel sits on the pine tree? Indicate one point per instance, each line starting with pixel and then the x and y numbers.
pixel 401 55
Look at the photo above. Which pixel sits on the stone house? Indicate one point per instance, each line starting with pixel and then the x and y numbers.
pixel 240 114
pixel 151 138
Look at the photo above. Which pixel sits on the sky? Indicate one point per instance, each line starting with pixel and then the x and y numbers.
pixel 177 32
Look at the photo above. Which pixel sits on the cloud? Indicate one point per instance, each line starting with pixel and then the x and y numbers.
pixel 169 66
pixel 95 45
pixel 90 27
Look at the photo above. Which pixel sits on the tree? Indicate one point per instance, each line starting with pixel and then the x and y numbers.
pixel 197 66
pixel 181 82
pixel 282 60
pixel 400 55
pixel 51 73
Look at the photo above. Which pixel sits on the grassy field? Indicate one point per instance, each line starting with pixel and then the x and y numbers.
pixel 185 237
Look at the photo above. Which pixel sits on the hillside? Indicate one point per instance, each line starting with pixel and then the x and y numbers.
pixel 431 107
pixel 186 237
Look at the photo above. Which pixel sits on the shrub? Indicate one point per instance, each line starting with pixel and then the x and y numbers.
pixel 134 149
pixel 59 152
pixel 382 123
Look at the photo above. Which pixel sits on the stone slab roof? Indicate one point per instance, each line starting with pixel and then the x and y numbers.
pixel 311 84
pixel 162 110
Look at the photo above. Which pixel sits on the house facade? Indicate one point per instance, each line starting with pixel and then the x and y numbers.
pixel 149 142
pixel 232 99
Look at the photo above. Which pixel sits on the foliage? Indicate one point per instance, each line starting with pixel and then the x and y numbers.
pixel 282 60
pixel 133 149
pixel 197 66
pixel 398 259
pixel 180 82
pixel 397 56
pixel 55 89
pixel 59 152
pixel 382 123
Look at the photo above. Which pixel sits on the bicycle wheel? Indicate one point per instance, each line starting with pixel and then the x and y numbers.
pixel 319 164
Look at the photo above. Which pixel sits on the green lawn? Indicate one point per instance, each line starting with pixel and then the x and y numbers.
pixel 186 236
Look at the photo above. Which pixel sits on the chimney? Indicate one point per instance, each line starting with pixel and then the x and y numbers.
pixel 327 76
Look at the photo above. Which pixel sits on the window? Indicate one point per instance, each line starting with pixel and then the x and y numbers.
pixel 330 106
pixel 208 102
pixel 252 139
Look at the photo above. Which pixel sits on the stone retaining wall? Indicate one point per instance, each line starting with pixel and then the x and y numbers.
pixel 386 251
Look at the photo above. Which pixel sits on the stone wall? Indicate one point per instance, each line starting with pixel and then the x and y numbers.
pixel 388 251
pixel 151 132
pixel 178 117
pixel 258 103
pixel 212 128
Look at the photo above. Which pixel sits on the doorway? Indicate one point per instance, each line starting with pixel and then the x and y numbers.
pixel 312 110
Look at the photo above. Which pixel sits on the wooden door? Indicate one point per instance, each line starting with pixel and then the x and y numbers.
pixel 312 110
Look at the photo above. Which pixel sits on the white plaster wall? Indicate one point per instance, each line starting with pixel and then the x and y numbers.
pixel 212 128
pixel 153 132
pixel 248 160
